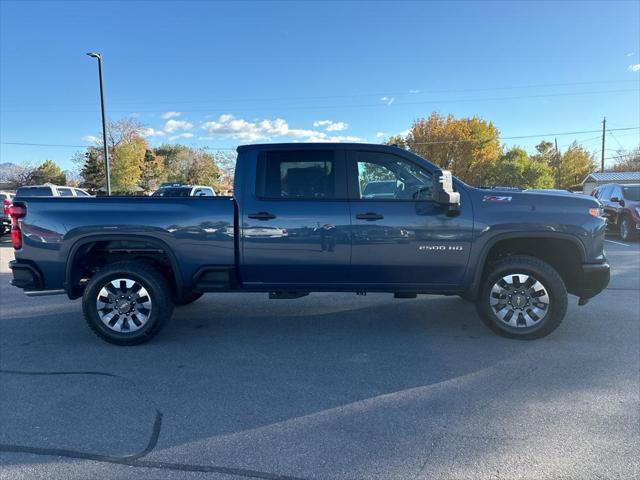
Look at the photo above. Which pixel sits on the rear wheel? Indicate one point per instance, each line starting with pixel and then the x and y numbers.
pixel 127 303
pixel 522 297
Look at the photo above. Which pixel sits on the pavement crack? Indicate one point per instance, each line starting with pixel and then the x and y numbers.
pixel 155 431
pixel 133 460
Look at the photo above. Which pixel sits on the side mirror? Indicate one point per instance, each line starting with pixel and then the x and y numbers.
pixel 442 192
pixel 614 199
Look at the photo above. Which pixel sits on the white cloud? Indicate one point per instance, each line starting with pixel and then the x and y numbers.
pixel 181 135
pixel 380 134
pixel 387 100
pixel 630 54
pixel 635 67
pixel 414 91
pixel 228 126
pixel 168 115
pixel 337 127
pixel 91 139
pixel 331 126
pixel 151 132
pixel 173 125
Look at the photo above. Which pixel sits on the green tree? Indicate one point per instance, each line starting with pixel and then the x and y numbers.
pixel 48 172
pixel 468 146
pixel 516 169
pixel 575 164
pixel 92 172
pixel 188 165
pixel 150 173
pixel 126 165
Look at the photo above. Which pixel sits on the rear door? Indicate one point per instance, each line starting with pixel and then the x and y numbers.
pixel 401 240
pixel 295 219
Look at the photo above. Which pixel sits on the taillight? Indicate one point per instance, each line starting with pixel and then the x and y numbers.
pixel 16 212
pixel 6 205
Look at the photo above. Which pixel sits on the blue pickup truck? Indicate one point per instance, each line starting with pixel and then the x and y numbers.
pixel 301 222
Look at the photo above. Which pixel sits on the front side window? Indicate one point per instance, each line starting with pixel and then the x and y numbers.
pixel 65 192
pixel 304 174
pixel 382 176
pixel 631 193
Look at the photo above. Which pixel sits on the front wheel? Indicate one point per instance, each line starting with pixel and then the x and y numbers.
pixel 522 297
pixel 127 303
pixel 625 229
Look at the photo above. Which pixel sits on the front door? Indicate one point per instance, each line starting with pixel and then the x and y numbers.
pixel 399 238
pixel 295 220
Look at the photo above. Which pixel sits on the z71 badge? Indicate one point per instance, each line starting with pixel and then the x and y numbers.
pixel 496 198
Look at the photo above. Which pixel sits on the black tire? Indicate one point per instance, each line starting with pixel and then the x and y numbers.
pixel 186 298
pixel 156 287
pixel 540 271
pixel 624 229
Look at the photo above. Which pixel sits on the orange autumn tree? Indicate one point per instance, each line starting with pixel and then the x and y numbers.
pixel 469 147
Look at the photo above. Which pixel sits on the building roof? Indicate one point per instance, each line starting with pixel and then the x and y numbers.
pixel 613 177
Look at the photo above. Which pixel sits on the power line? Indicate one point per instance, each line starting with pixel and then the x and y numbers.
pixel 417 143
pixel 362 105
pixel 419 92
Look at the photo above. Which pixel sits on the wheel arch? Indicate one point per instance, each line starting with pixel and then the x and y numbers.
pixel 75 291
pixel 484 257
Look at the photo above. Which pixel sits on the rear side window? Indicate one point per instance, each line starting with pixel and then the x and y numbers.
pixel 81 193
pixel 304 174
pixel 65 192
pixel 33 192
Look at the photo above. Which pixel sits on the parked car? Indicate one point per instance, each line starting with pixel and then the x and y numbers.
pixel 298 223
pixel 7 200
pixel 49 190
pixel 178 190
pixel 621 205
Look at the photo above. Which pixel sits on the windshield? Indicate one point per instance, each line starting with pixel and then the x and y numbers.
pixel 173 192
pixel 631 192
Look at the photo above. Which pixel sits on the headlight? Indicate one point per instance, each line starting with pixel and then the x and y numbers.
pixel 596 212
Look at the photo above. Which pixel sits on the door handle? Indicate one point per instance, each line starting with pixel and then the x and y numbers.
pixel 370 216
pixel 262 216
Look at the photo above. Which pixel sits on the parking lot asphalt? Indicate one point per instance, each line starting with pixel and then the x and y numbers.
pixel 330 386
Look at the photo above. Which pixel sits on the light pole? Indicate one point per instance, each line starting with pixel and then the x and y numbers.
pixel 104 122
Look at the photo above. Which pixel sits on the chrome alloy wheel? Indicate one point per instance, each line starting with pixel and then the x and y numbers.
pixel 519 300
pixel 123 305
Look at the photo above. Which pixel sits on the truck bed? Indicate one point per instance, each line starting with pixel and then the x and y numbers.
pixel 198 230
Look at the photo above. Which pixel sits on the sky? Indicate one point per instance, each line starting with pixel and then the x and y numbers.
pixel 221 74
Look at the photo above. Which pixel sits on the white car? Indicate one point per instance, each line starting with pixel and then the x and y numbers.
pixel 50 190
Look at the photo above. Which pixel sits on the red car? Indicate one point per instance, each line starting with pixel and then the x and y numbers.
pixel 621 205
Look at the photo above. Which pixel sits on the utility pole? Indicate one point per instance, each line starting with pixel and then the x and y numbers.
pixel 558 160
pixel 104 122
pixel 604 126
